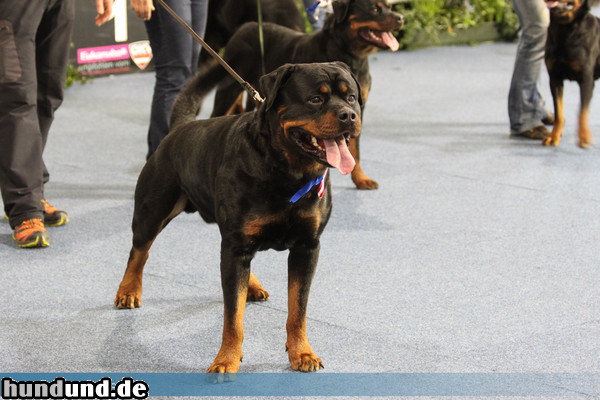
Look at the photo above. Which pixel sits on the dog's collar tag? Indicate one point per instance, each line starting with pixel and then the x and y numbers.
pixel 312 183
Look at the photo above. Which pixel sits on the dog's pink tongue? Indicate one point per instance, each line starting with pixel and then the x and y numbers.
pixel 338 155
pixel 551 4
pixel 390 41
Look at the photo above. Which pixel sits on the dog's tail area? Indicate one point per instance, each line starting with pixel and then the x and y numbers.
pixel 188 102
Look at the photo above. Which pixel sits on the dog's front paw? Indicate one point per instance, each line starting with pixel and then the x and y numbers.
pixel 362 181
pixel 305 361
pixel 585 143
pixel 550 141
pixel 128 299
pixel 366 184
pixel 223 367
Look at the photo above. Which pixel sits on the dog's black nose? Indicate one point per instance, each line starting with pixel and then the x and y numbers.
pixel 347 116
pixel 400 19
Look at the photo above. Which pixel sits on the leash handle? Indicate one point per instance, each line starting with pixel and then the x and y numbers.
pixel 251 91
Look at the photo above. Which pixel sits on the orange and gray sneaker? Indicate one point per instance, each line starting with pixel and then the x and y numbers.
pixel 31 233
pixel 54 216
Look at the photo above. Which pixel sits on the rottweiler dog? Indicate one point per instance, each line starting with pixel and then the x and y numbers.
pixel 573 53
pixel 262 177
pixel 355 29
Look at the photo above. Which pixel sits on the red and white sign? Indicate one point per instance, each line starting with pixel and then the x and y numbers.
pixel 141 53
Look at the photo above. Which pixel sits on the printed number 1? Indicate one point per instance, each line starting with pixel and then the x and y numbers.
pixel 120 15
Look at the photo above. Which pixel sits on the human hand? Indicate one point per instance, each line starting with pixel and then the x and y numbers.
pixel 143 8
pixel 104 9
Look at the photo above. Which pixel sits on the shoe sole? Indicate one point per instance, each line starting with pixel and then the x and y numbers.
pixel 44 242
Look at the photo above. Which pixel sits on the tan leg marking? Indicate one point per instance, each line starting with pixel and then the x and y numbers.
pixel 238 106
pixel 230 355
pixel 360 179
pixel 585 136
pixel 129 294
pixel 302 357
pixel 559 122
pixel 255 290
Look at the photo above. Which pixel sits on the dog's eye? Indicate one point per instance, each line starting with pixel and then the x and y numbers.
pixel 376 10
pixel 351 99
pixel 315 100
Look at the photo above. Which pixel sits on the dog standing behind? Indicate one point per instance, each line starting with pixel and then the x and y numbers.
pixel 356 29
pixel 262 177
pixel 573 53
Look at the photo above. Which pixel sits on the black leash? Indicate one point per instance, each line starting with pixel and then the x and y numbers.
pixel 251 91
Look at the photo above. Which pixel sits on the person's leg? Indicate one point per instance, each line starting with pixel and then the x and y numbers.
pixel 176 59
pixel 21 145
pixel 158 122
pixel 52 53
pixel 199 15
pixel 526 107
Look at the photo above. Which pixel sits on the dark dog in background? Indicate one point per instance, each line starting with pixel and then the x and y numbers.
pixel 226 16
pixel 356 29
pixel 573 53
pixel 261 176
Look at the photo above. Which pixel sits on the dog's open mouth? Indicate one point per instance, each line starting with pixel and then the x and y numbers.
pixel 333 152
pixel 384 40
pixel 560 6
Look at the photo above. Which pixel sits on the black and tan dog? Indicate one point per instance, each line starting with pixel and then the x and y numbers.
pixel 573 53
pixel 262 177
pixel 356 29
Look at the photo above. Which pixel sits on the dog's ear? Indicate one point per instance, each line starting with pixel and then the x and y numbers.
pixel 360 98
pixel 346 68
pixel 340 9
pixel 272 82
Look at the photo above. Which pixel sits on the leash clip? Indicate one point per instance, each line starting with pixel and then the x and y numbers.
pixel 253 93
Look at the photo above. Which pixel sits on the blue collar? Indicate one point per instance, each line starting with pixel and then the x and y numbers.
pixel 312 183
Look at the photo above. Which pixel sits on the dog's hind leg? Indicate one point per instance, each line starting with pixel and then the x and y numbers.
pixel 586 89
pixel 129 294
pixel 150 217
pixel 238 106
pixel 556 87
pixel 255 290
pixel 302 263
